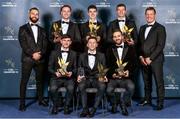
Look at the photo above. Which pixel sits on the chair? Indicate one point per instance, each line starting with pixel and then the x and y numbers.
pixel 89 90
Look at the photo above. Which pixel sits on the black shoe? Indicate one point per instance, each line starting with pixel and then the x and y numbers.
pixel 43 103
pixel 54 110
pixel 92 112
pixel 124 110
pixel 159 107
pixel 84 113
pixel 66 110
pixel 145 102
pixel 114 109
pixel 22 107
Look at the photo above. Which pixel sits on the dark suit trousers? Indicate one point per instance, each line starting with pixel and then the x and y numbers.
pixel 91 83
pixel 26 72
pixel 120 83
pixel 55 84
pixel 156 70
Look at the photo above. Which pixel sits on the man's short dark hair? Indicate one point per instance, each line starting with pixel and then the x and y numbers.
pixel 33 8
pixel 117 30
pixel 65 36
pixel 66 6
pixel 91 37
pixel 121 5
pixel 150 8
pixel 92 7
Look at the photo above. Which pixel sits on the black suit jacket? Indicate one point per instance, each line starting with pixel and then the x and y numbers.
pixel 113 25
pixel 73 32
pixel 83 62
pixel 128 55
pixel 27 42
pixel 53 62
pixel 154 44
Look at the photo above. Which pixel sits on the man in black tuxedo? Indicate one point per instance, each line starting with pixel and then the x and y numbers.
pixel 89 62
pixel 65 26
pixel 33 40
pixel 119 23
pixel 152 38
pixel 101 31
pixel 60 79
pixel 120 51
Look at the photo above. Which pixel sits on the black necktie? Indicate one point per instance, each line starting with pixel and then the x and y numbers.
pixel 89 54
pixel 33 24
pixel 121 20
pixel 63 22
pixel 63 51
pixel 120 46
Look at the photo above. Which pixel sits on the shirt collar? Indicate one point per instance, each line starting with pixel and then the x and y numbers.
pixel 63 49
pixel 65 20
pixel 92 52
pixel 152 23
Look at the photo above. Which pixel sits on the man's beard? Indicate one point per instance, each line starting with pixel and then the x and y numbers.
pixel 33 20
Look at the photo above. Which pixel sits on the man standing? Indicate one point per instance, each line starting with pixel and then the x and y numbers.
pixel 120 51
pixel 62 78
pixel 89 62
pixel 152 38
pixel 33 41
pixel 65 26
pixel 100 33
pixel 119 23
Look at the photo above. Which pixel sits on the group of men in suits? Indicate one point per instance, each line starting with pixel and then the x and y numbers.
pixel 67 38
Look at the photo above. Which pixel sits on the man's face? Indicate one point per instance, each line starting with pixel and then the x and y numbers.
pixel 66 42
pixel 66 13
pixel 92 13
pixel 150 16
pixel 117 37
pixel 92 44
pixel 121 11
pixel 34 16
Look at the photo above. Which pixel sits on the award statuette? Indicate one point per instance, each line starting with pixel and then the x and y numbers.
pixel 63 66
pixel 57 29
pixel 93 31
pixel 120 70
pixel 102 73
pixel 127 33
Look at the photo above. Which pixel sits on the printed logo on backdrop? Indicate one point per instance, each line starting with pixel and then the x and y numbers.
pixel 150 3
pixel 8 3
pixel 103 3
pixel 8 33
pixel 171 17
pixel 10 67
pixel 56 3
pixel 171 49
pixel 32 82
pixel 170 78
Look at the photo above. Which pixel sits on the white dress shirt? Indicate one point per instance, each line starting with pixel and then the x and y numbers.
pixel 35 31
pixel 64 26
pixel 121 24
pixel 91 59
pixel 64 54
pixel 148 29
pixel 120 51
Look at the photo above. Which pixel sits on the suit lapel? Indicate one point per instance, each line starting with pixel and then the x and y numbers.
pixel 31 32
pixel 59 24
pixel 125 50
pixel 115 53
pixel 69 27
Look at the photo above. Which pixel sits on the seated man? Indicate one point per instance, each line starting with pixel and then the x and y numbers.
pixel 62 66
pixel 89 62
pixel 120 74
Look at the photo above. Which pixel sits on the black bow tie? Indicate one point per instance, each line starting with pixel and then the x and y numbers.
pixel 120 46
pixel 95 23
pixel 89 54
pixel 63 51
pixel 149 25
pixel 63 22
pixel 121 20
pixel 33 24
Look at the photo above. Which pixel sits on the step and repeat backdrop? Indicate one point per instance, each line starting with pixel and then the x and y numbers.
pixel 14 13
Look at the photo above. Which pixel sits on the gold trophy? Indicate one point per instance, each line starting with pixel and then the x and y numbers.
pixel 93 31
pixel 63 67
pixel 120 70
pixel 127 33
pixel 102 73
pixel 57 29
